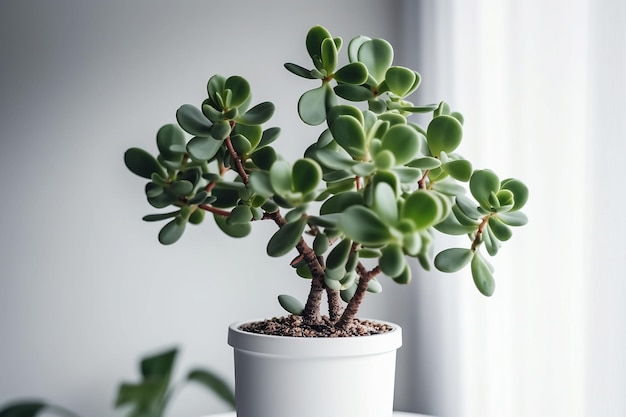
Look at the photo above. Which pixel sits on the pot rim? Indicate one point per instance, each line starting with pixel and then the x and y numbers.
pixel 311 347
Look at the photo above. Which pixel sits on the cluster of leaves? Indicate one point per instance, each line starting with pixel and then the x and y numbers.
pixel 384 183
pixel 147 398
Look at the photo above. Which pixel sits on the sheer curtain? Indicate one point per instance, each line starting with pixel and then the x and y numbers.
pixel 542 87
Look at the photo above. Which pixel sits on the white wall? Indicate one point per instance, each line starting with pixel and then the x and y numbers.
pixel 85 289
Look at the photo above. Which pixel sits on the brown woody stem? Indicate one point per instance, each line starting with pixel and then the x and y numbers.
pixel 352 308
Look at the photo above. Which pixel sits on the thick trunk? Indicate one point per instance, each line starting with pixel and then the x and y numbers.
pixel 353 306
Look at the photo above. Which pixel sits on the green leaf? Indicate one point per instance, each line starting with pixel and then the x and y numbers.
pixel 144 396
pixel 320 244
pixel 392 261
pixel 214 383
pixel 500 230
pixel 516 218
pixel 160 216
pixel 483 278
pixel 353 92
pixel 349 134
pixel 182 187
pixel 241 144
pixel 374 286
pixel 299 71
pixel 354 45
pixel 264 158
pixel 280 177
pixel 193 121
pixel 258 114
pixel 240 215
pixel 519 190
pixel 426 162
pixel 329 55
pixel 172 231
pixel 467 206
pixel 404 277
pixel 482 184
pixel 286 238
pixel 338 256
pixel 400 80
pixel 453 259
pixel 306 175
pixel 232 230
pixel 444 134
pixel 215 86
pixel 377 55
pixel 168 137
pixel 240 90
pixel 314 39
pixel 159 365
pixel 353 73
pixel 492 244
pixel 422 209
pixel 312 105
pixel 460 169
pixel 385 203
pixel 269 136
pixel 402 141
pixel 23 409
pixel 339 202
pixel 203 148
pixel 141 163
pixel 364 226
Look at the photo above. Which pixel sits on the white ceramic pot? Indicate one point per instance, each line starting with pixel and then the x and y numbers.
pixel 278 376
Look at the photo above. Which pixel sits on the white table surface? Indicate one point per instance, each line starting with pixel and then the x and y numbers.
pixel 395 414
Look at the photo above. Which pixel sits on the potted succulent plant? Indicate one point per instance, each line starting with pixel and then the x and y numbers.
pixel 372 189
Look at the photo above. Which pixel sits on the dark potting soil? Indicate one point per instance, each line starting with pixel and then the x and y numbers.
pixel 294 326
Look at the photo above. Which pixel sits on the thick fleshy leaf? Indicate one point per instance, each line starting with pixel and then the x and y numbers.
pixel 482 184
pixel 377 55
pixel 483 278
pixel 422 209
pixel 170 136
pixel 23 409
pixel 264 158
pixel 353 73
pixel 404 277
pixel 516 218
pixel 203 148
pixel 306 175
pixel 253 133
pixel 280 177
pixel 392 261
pixel 320 244
pixel 312 105
pixel 160 216
pixel 338 256
pixel 400 80
pixel 269 136
pixel 240 90
pixel 241 144
pixel 339 202
pixel 291 304
pixel 364 226
pixel 426 162
pixel 402 141
pixel 215 85
pixel 233 230
pixel 344 110
pixel 214 383
pixel 240 215
pixel 354 45
pixel 451 226
pixel 193 121
pixel 385 203
pixel 444 134
pixel 142 163
pixel 349 134
pixel 354 92
pixel 314 39
pixel 453 259
pixel 519 190
pixel 467 206
pixel 172 231
pixel 258 114
pixel 500 230
pixel 286 238
pixel 329 55
pixel 299 71
pixel 460 169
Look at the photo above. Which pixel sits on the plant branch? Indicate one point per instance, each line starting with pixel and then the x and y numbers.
pixel 214 210
pixel 352 308
pixel 479 233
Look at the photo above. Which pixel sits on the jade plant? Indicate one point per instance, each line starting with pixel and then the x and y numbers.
pixel 372 189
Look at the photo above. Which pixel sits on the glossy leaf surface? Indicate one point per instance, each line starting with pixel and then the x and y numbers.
pixel 142 163
pixel 286 238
